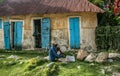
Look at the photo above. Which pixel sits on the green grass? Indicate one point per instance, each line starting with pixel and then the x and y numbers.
pixel 29 64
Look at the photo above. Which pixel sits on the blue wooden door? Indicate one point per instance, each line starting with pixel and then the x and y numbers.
pixel 45 30
pixel 18 35
pixel 74 32
pixel 7 35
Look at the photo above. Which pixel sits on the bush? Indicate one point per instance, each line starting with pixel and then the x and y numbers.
pixel 108 38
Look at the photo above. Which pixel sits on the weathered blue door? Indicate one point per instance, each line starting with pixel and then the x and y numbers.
pixel 7 35
pixel 74 32
pixel 18 35
pixel 45 32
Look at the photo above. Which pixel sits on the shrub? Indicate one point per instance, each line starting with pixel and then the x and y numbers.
pixel 108 38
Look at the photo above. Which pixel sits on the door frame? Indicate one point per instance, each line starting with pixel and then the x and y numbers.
pixel 2 30
pixel 2 23
pixel 69 28
pixel 32 25
pixel 13 20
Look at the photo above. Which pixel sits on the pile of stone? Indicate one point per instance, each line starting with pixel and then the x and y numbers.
pixel 97 57
pixel 13 57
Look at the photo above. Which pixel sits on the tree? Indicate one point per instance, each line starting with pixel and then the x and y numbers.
pixel 108 17
pixel 97 2
pixel 1 1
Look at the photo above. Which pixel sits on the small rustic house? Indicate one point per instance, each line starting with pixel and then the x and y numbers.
pixel 30 24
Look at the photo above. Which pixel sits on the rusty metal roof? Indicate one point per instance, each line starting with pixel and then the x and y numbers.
pixel 23 7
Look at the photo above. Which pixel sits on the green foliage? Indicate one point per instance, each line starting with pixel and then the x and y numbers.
pixel 108 19
pixel 108 38
pixel 1 1
pixel 97 2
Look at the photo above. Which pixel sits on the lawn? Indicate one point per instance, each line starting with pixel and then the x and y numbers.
pixel 32 63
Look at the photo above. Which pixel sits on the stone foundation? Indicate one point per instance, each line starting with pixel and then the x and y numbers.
pixel 28 41
pixel 58 36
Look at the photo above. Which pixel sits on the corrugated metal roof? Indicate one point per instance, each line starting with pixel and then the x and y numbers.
pixel 22 7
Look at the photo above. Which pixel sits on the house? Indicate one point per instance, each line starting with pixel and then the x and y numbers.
pixel 31 24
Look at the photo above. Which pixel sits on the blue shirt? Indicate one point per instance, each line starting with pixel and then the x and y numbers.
pixel 53 53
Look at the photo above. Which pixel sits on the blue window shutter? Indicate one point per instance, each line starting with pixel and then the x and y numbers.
pixel 45 32
pixel 7 35
pixel 0 23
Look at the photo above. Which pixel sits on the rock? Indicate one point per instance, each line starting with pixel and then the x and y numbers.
pixel 115 74
pixel 47 58
pixel 114 55
pixel 102 57
pixel 13 57
pixel 78 67
pixel 110 60
pixel 91 57
pixel 50 64
pixel 21 62
pixel 82 54
pixel 103 71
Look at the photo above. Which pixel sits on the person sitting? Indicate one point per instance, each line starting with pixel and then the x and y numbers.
pixel 53 53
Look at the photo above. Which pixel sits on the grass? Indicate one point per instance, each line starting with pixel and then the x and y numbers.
pixel 31 63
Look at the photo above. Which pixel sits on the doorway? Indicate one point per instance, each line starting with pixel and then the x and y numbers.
pixel 74 24
pixel 16 35
pixel 37 32
pixel 41 32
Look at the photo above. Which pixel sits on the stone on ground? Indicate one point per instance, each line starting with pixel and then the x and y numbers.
pixel 102 57
pixel 114 55
pixel 13 57
pixel 50 64
pixel 116 74
pixel 91 57
pixel 82 54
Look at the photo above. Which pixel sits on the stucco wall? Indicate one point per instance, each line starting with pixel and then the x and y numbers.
pixel 59 32
pixel 1 39
pixel 60 29
pixel 88 25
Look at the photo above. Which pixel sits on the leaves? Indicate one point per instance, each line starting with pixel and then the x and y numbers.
pixel 108 38
pixel 97 2
pixel 1 1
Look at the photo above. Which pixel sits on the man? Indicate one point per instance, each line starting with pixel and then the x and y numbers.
pixel 53 53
